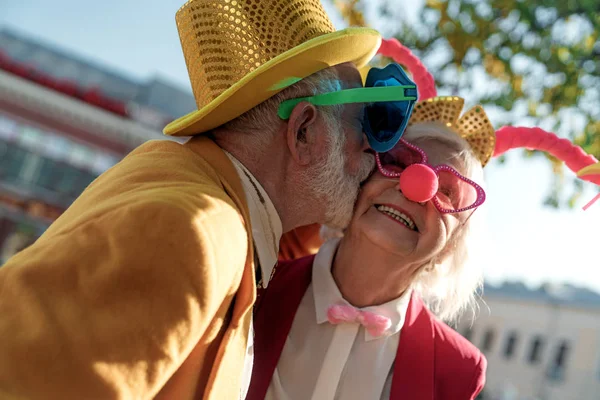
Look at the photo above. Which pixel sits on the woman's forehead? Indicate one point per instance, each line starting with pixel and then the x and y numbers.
pixel 439 152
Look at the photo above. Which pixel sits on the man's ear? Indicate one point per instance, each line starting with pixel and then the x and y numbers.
pixel 300 132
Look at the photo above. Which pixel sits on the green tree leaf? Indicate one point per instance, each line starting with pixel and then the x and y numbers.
pixel 544 54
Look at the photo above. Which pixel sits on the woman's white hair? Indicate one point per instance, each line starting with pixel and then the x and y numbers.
pixel 455 281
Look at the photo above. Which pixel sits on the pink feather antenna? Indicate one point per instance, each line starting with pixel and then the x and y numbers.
pixel 402 55
pixel 508 137
pixel 512 137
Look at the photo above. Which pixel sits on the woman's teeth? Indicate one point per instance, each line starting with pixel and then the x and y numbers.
pixel 398 216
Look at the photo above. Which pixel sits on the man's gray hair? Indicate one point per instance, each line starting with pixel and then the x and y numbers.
pixel 261 122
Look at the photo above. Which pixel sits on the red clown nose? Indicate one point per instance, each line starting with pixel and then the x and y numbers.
pixel 419 183
pixel 577 160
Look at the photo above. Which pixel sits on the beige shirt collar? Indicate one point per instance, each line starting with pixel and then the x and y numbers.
pixel 265 221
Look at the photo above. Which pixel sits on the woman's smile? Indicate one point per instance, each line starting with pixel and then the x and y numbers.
pixel 398 215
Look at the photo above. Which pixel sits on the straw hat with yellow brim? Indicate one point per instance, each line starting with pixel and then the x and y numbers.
pixel 240 53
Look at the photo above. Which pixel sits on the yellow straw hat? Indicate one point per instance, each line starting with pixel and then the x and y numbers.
pixel 239 53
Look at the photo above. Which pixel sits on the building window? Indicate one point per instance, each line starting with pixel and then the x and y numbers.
pixel 535 352
pixel 557 369
pixel 511 343
pixel 468 333
pixel 48 177
pixel 561 355
pixel 8 128
pixel 31 168
pixel 12 163
pixel 85 179
pixel 488 340
pixel 68 179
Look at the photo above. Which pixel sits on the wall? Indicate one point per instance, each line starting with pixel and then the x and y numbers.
pixel 516 376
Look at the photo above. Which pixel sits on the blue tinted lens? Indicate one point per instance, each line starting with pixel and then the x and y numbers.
pixel 385 123
pixel 386 119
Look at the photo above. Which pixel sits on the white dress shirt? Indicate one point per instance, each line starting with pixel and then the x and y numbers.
pixel 266 234
pixel 322 361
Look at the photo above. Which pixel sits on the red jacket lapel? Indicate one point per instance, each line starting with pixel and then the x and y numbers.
pixel 414 366
pixel 274 315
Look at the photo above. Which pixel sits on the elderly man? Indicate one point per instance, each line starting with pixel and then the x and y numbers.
pixel 144 287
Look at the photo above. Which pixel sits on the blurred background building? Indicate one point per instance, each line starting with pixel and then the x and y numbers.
pixel 64 121
pixel 541 344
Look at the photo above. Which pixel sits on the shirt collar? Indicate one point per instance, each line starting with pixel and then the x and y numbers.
pixel 327 293
pixel 265 221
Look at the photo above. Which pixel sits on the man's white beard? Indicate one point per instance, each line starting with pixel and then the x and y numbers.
pixel 334 186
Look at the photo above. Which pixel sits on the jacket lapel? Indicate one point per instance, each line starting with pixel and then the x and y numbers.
pixel 414 366
pixel 226 372
pixel 273 320
pixel 230 180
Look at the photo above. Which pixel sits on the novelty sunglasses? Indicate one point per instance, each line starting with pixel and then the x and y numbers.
pixel 390 97
pixel 450 191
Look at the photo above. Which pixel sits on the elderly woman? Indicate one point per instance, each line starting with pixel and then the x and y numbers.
pixel 357 321
pixel 360 319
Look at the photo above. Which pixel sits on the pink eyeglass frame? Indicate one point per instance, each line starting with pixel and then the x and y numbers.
pixel 442 167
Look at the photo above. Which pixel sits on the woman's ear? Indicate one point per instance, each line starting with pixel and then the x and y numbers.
pixel 451 246
pixel 301 133
pixel 431 266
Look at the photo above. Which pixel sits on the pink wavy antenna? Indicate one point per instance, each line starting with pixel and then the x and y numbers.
pixel 511 137
pixel 402 55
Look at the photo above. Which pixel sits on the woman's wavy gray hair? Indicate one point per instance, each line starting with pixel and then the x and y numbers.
pixel 454 284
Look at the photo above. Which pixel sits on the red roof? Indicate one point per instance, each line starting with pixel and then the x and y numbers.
pixel 70 88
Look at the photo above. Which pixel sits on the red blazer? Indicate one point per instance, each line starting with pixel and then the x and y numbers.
pixel 432 362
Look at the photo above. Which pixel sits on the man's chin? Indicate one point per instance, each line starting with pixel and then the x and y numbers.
pixel 365 179
pixel 340 225
pixel 367 170
pixel 341 214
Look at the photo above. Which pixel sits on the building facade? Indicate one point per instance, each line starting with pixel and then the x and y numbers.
pixel 64 121
pixel 540 344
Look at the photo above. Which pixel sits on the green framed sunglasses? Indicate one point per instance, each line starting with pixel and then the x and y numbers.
pixel 390 97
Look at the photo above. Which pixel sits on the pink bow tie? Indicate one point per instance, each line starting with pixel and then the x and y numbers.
pixel 375 324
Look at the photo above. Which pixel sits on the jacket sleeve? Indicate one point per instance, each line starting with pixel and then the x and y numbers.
pixel 112 308
pixel 478 381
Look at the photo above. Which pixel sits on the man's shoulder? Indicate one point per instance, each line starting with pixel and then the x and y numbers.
pixel 164 160
pixel 159 177
pixel 167 175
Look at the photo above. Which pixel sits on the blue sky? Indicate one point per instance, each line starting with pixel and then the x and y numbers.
pixel 525 241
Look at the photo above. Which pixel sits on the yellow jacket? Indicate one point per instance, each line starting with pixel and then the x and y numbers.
pixel 142 289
